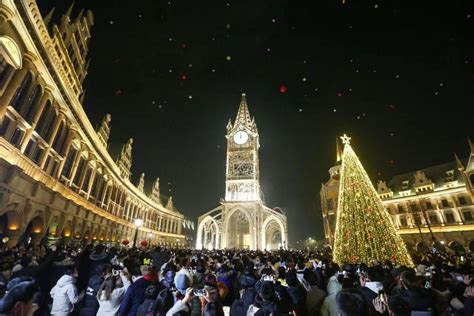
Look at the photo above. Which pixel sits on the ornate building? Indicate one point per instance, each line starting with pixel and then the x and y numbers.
pixel 433 202
pixel 242 220
pixel 57 179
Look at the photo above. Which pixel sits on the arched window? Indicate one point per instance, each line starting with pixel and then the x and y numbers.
pixel 45 126
pixel 5 70
pixel 60 138
pixel 20 92
pixel 472 179
pixel 31 106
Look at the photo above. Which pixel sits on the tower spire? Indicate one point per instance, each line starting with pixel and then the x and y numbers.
pixel 48 17
pixel 69 10
pixel 243 115
pixel 459 163
pixel 338 151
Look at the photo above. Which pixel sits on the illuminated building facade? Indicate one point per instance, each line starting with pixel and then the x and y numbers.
pixel 433 202
pixel 242 220
pixel 57 179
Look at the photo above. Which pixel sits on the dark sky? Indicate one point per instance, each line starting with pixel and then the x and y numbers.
pixel 397 76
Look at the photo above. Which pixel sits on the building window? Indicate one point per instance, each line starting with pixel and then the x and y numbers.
pixel 33 151
pixel 330 204
pixel 405 185
pixel 400 209
pixel 20 92
pixel 467 216
pixel 5 70
pixel 445 203
pixel 32 104
pixel 429 206
pixel 414 207
pixel 77 176
pixel 4 126
pixel 433 219
pixel 417 219
pixel 449 217
pixel 17 136
pixel 68 163
pixel 403 222
pixel 462 200
pixel 60 138
pixel 45 122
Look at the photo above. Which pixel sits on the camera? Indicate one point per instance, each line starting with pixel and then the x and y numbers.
pixel 199 292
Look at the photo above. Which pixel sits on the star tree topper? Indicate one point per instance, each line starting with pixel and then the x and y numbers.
pixel 346 140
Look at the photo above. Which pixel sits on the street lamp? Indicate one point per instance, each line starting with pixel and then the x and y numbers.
pixel 138 223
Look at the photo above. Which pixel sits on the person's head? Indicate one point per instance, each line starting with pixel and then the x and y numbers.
pixel 182 282
pixel 107 287
pixel 145 270
pixel 281 273
pixel 310 277
pixel 267 291
pixel 213 309
pixel 350 302
pixel 375 274
pixel 164 302
pixel 409 281
pixel 291 278
pixel 99 248
pixel 103 269
pixel 20 300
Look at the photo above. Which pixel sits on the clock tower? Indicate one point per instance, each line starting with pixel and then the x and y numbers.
pixel 242 168
pixel 241 220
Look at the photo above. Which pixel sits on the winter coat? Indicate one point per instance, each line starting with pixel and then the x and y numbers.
pixel 133 298
pixel 90 304
pixel 298 297
pixel 412 300
pixel 110 307
pixel 240 307
pixel 64 295
pixel 370 291
pixel 314 300
pixel 181 308
pixel 329 304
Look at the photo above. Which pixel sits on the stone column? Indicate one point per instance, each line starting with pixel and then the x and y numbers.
pixel 10 91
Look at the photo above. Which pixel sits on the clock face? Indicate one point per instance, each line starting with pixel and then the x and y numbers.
pixel 241 137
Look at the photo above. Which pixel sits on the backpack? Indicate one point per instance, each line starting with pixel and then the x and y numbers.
pixel 148 306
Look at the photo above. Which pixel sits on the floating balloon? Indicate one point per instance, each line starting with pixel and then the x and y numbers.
pixel 282 88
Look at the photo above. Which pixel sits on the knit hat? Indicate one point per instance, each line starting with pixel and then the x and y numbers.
pixel 182 282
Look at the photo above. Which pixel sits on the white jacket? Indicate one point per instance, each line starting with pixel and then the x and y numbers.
pixel 111 306
pixel 64 295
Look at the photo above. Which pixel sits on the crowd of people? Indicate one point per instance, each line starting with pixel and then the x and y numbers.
pixel 100 280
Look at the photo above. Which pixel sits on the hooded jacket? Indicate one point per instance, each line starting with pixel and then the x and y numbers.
pixel 64 295
pixel 111 306
pixel 329 304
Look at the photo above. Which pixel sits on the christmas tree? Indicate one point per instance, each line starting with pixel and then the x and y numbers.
pixel 364 229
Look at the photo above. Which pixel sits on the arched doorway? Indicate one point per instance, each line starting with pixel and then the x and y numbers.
pixel 238 231
pixel 33 232
pixel 10 227
pixel 273 234
pixel 208 234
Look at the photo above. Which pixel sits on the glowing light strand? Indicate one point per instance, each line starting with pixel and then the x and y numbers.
pixel 364 229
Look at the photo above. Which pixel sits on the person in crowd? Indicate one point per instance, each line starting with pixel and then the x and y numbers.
pixel 315 296
pixel 135 294
pixel 334 286
pixel 247 295
pixel 371 285
pixel 65 295
pixel 111 292
pixel 90 304
pixel 297 292
pixel 411 297
pixel 21 299
pixel 350 302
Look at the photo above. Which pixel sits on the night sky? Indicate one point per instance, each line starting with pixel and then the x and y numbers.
pixel 397 76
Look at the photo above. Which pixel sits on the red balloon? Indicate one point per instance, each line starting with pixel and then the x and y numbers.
pixel 282 88
pixel 125 242
pixel 339 94
pixel 184 77
pixel 144 243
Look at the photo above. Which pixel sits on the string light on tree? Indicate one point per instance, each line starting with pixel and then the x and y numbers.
pixel 364 229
